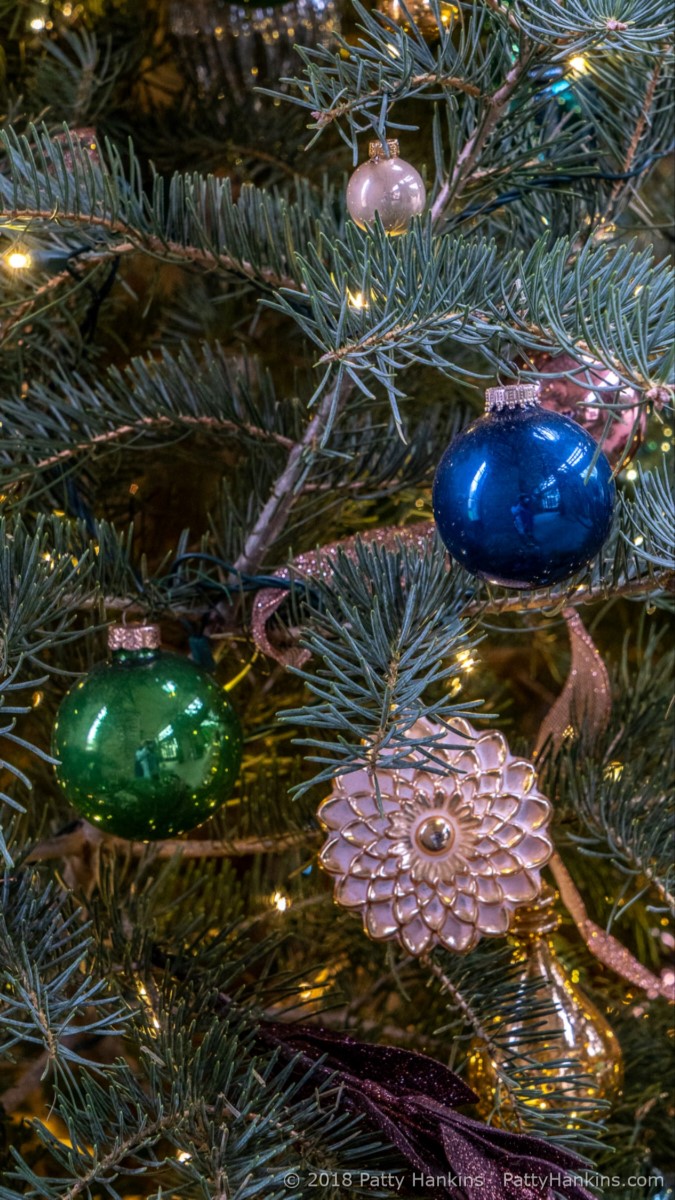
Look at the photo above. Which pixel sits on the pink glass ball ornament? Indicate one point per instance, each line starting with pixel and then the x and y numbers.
pixel 387 187
pixel 576 398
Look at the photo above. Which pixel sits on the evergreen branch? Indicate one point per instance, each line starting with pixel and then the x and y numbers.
pixel 426 295
pixel 67 416
pixel 147 1134
pixel 8 687
pixel 190 219
pixel 189 1114
pixel 640 125
pixel 554 601
pixel 384 636
pixel 33 306
pixel 616 790
pixel 37 574
pixel 77 74
pixel 631 817
pixel 47 992
pixel 472 1019
pixel 147 424
pixel 651 519
pixel 154 246
pixel 84 838
pixel 469 155
pixel 355 87
pixel 272 519
pixel 416 83
pixel 631 26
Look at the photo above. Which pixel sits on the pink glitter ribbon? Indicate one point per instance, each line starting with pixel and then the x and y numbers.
pixel 586 697
pixel 319 564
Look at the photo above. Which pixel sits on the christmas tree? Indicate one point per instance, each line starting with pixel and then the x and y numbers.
pixel 336 823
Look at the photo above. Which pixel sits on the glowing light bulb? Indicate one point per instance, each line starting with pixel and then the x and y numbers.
pixel 18 260
pixel 356 299
pixel 613 770
pixel 37 24
pixel 579 64
pixel 280 901
pixel 466 660
pixel 144 997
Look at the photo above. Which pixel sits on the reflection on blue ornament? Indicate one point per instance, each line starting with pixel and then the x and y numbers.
pixel 518 499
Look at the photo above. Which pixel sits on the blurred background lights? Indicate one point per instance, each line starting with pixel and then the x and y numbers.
pixel 18 260
pixel 280 901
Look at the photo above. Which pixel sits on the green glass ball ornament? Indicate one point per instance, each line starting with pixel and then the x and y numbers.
pixel 148 744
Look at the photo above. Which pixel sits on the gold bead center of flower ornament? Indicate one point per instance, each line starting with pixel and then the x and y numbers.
pixel 435 834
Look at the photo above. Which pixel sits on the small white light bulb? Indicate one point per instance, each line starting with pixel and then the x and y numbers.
pixel 18 260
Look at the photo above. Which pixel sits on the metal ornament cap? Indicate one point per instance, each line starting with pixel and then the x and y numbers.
pixel 439 859
pixel 134 637
pixel 511 398
pixel 376 149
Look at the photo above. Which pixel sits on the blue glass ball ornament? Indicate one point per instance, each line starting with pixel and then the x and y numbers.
pixel 514 499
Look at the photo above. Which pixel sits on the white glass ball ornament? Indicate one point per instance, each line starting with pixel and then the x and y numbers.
pixel 385 186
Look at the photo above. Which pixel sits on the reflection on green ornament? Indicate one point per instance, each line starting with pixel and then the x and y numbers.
pixel 149 746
